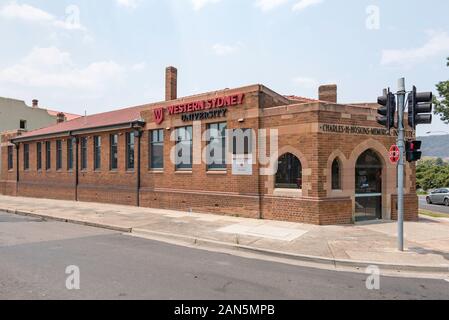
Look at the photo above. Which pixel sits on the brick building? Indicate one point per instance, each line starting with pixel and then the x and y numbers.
pixel 285 157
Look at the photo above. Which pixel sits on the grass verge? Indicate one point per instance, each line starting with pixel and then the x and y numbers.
pixel 432 214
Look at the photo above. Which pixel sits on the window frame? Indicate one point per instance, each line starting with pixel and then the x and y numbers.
pixel 58 155
pixel 83 150
pixel 47 155
pixel 220 128
pixel 10 158
pixel 247 144
pixel 159 142
pixel 97 153
pixel 39 156
pixel 26 157
pixel 290 185
pixel 336 185
pixel 113 149
pixel 70 148
pixel 130 156
pixel 187 130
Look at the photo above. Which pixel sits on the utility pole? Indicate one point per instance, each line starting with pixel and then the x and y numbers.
pixel 401 144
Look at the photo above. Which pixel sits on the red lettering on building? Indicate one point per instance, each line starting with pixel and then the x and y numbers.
pixel 159 115
pixel 214 103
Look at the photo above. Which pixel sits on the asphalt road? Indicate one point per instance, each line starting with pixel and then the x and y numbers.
pixel 432 207
pixel 34 256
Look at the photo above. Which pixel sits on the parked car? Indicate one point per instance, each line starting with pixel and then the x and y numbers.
pixel 439 196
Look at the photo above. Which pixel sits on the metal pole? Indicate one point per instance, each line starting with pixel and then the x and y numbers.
pixel 401 144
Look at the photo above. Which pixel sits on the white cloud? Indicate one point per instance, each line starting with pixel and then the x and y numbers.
pixel 199 4
pixel 267 5
pixel 139 66
pixel 438 44
pixel 224 49
pixel 304 4
pixel 88 39
pixel 132 4
pixel 305 83
pixel 53 68
pixel 50 56
pixel 32 14
pixel 25 12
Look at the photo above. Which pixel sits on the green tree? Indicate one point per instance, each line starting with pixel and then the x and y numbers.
pixel 439 162
pixel 430 174
pixel 442 102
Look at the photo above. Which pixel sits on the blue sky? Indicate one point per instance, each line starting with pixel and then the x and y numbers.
pixel 103 55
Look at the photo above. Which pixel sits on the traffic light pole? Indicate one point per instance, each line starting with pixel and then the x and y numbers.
pixel 419 112
pixel 401 144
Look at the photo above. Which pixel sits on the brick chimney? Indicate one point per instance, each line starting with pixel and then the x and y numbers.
pixel 328 93
pixel 171 83
pixel 35 103
pixel 60 117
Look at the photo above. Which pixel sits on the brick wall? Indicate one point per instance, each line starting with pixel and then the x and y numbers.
pixel 411 207
pixel 222 192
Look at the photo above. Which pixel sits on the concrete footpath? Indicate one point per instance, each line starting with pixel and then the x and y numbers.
pixel 333 247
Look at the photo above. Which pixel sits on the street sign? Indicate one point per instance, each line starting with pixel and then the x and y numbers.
pixel 395 154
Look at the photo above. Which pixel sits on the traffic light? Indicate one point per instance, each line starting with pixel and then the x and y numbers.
pixel 388 109
pixel 419 108
pixel 413 151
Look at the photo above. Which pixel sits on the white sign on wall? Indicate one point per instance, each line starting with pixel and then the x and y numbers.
pixel 242 164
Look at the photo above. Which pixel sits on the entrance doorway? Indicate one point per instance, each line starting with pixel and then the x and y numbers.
pixel 368 188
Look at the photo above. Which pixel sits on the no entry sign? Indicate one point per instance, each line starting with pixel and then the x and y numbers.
pixel 395 154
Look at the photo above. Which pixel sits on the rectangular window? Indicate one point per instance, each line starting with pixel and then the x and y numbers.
pixel 114 151
pixel 130 146
pixel 70 147
pixel 26 156
pixel 48 155
pixel 242 141
pixel 97 153
pixel 156 148
pixel 23 124
pixel 83 153
pixel 216 146
pixel 58 155
pixel 39 156
pixel 10 157
pixel 184 148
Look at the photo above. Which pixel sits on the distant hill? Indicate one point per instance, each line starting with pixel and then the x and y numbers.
pixel 436 146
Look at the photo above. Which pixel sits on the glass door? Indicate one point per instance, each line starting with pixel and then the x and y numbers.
pixel 368 179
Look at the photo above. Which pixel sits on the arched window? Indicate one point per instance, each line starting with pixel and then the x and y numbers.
pixel 368 188
pixel 369 173
pixel 289 175
pixel 336 175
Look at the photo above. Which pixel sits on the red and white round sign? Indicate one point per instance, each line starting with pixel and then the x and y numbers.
pixel 394 154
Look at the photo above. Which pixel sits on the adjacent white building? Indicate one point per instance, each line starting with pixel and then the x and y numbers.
pixel 17 115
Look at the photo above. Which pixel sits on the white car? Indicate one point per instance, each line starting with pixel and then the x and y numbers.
pixel 439 196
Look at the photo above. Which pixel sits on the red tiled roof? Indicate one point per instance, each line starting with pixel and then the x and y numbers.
pixel 110 118
pixel 69 116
